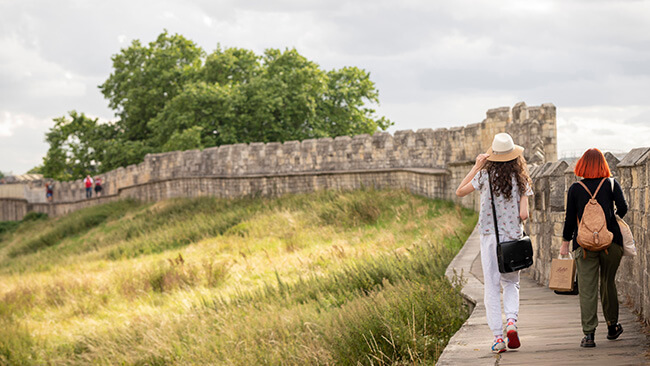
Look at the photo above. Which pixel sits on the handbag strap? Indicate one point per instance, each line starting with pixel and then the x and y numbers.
pixel 494 210
pixel 611 180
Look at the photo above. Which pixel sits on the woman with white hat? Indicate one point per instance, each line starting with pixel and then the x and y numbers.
pixel 503 168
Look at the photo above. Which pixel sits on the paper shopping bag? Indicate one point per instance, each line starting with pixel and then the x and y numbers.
pixel 563 272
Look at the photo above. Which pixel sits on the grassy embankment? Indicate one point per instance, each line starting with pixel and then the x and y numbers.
pixel 323 278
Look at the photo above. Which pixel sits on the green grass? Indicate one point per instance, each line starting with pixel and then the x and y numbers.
pixel 8 227
pixel 71 225
pixel 322 278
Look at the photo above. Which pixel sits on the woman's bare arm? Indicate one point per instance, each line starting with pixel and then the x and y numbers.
pixel 523 208
pixel 466 186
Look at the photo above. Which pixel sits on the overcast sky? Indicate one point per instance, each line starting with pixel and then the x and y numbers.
pixel 435 63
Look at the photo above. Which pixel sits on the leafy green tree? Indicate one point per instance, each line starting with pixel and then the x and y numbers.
pixel 186 140
pixel 277 97
pixel 343 111
pixel 211 107
pixel 36 170
pixel 231 66
pixel 146 78
pixel 72 151
pixel 169 96
pixel 80 145
pixel 117 152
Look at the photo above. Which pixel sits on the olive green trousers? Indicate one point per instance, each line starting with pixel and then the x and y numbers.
pixel 592 267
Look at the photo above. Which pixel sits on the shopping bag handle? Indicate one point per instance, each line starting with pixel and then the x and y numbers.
pixel 560 256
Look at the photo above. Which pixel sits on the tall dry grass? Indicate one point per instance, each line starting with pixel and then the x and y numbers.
pixel 321 278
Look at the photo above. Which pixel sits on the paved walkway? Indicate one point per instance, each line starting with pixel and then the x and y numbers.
pixel 549 327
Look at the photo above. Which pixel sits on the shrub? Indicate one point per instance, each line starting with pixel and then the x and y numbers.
pixel 35 216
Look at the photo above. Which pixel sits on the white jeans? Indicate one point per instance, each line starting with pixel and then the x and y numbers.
pixel 493 281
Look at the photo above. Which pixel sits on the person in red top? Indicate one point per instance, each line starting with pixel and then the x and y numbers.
pixel 98 186
pixel 88 182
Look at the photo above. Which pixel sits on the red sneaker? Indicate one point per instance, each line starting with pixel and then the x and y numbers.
pixel 513 336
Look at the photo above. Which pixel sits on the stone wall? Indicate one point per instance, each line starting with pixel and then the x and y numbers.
pixel 13 209
pixel 428 182
pixel 552 180
pixel 33 191
pixel 429 161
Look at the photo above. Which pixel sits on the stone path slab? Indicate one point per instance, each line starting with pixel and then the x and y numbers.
pixel 549 327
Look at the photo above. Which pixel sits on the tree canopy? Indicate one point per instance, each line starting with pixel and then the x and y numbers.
pixel 170 95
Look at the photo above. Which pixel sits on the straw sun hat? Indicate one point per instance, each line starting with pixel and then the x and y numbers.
pixel 503 148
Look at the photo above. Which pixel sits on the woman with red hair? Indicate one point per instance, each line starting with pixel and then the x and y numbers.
pixel 595 265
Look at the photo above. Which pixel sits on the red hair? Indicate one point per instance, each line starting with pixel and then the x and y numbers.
pixel 592 164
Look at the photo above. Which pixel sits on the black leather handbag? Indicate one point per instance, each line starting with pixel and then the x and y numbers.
pixel 513 255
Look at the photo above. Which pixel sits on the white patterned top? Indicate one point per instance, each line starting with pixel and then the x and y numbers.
pixel 510 225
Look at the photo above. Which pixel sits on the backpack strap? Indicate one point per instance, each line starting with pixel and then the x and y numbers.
pixel 586 189
pixel 597 189
pixel 600 185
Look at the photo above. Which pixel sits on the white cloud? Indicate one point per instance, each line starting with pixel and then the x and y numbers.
pixel 207 21
pixel 168 15
pixel 445 110
pixel 28 79
pixel 22 143
pixel 604 128
pixel 8 124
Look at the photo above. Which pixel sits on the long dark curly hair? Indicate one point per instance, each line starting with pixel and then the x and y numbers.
pixel 499 170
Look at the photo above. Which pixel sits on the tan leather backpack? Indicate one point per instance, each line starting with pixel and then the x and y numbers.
pixel 592 230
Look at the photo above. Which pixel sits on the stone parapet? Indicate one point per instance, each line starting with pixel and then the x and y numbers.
pixel 422 181
pixel 13 209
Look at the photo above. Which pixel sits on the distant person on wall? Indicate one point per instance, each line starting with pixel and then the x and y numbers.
pixel 98 186
pixel 593 265
pixel 49 191
pixel 88 182
pixel 503 168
